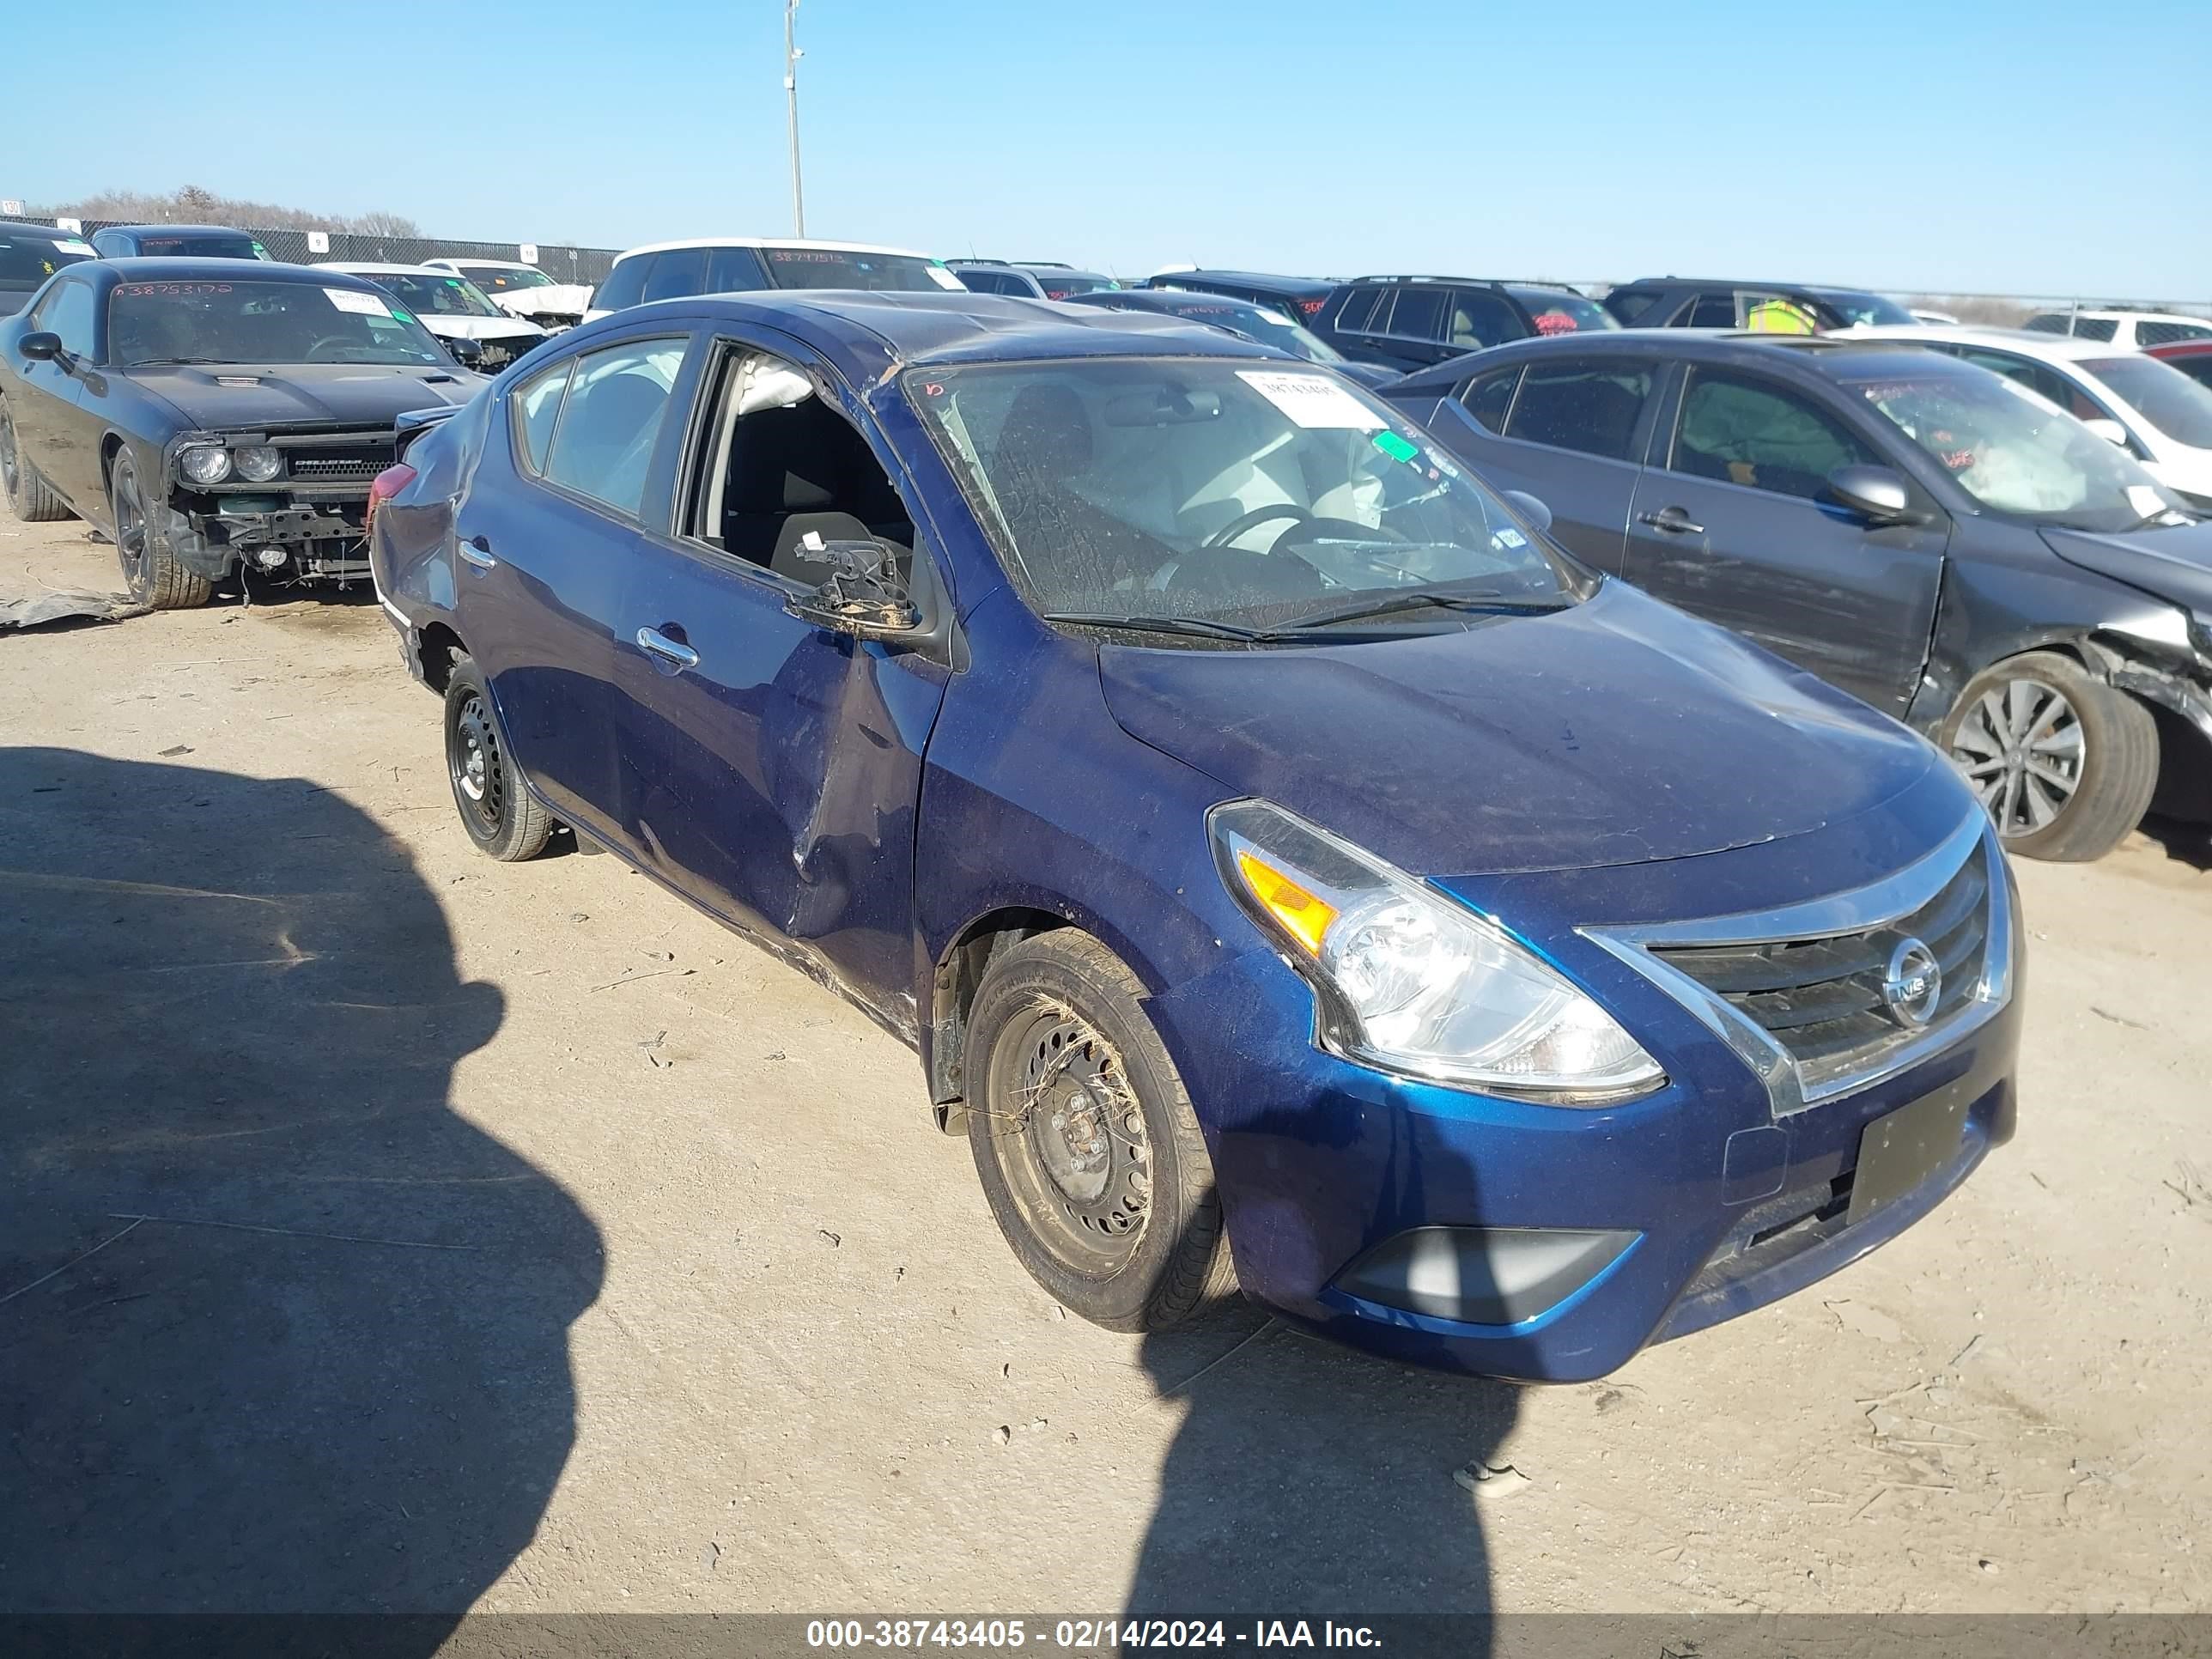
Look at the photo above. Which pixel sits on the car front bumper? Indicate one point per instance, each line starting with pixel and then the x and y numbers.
pixel 1597 1230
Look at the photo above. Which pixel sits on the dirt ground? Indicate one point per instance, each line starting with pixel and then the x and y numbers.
pixel 515 1236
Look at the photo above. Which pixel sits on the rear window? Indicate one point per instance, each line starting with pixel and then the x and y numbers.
pixel 199 247
pixel 1560 311
pixel 1630 303
pixel 2095 328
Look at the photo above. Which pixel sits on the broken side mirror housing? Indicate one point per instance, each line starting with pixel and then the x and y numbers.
pixel 1876 494
pixel 865 595
pixel 40 347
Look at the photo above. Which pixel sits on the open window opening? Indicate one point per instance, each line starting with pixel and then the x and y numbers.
pixel 783 466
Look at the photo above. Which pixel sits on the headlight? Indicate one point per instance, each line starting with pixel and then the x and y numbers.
pixel 204 463
pixel 1412 981
pixel 255 463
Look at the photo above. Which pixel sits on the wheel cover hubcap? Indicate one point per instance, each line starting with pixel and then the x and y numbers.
pixel 1085 1178
pixel 2022 748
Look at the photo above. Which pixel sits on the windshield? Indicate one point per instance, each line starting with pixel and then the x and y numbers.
pixel 1864 310
pixel 1556 311
pixel 825 267
pixel 2010 449
pixel 1255 322
pixel 262 322
pixel 199 247
pixel 2162 395
pixel 1059 284
pixel 430 293
pixel 493 278
pixel 1200 487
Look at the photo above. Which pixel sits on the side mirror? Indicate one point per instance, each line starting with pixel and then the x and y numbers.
pixel 864 597
pixel 40 347
pixel 1530 508
pixel 1876 494
pixel 465 352
pixel 2102 425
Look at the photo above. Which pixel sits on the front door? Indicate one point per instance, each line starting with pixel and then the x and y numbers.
pixel 541 569
pixel 769 768
pixel 49 433
pixel 1728 523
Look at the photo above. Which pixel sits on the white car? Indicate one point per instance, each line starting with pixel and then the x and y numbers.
pixel 739 265
pixel 524 290
pixel 2131 330
pixel 453 309
pixel 2151 409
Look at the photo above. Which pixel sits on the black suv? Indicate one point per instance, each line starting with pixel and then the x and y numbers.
pixel 28 255
pixel 1411 322
pixel 1769 307
pixel 1902 524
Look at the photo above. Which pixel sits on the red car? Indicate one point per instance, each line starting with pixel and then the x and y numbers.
pixel 2192 357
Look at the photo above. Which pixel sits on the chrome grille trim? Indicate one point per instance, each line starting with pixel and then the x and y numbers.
pixel 1793 1088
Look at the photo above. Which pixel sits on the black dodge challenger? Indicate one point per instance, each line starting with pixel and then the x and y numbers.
pixel 206 414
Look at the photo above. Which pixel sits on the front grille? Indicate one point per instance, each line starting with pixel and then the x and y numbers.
pixel 310 467
pixel 1821 998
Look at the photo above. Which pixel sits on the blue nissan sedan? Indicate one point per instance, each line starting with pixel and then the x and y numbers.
pixel 1293 871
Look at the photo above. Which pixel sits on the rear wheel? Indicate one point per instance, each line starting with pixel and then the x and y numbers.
pixel 28 497
pixel 2065 765
pixel 502 818
pixel 1084 1137
pixel 154 578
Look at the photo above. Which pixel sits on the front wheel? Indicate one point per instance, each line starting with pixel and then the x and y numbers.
pixel 502 818
pixel 1089 1152
pixel 2065 765
pixel 154 578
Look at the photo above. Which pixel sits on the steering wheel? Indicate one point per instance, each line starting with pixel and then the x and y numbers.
pixel 338 340
pixel 1258 516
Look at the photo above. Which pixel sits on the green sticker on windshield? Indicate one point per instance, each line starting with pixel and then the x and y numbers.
pixel 453 281
pixel 401 315
pixel 1394 446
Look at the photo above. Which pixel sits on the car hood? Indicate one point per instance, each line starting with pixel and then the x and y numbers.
pixel 2174 564
pixel 481 328
pixel 561 300
pixel 290 393
pixel 1618 732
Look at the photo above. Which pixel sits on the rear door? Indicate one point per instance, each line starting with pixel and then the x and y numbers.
pixel 1571 431
pixel 1727 522
pixel 548 538
pixel 771 769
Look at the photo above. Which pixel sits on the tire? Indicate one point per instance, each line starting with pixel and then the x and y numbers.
pixel 2066 765
pixel 502 818
pixel 30 498
pixel 1129 1233
pixel 155 578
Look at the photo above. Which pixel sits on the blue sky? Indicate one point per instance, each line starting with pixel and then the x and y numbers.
pixel 2022 147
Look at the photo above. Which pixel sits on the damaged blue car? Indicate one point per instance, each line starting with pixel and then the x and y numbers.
pixel 1294 872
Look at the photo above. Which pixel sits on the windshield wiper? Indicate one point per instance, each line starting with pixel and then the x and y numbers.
pixel 1197 627
pixel 1390 604
pixel 164 362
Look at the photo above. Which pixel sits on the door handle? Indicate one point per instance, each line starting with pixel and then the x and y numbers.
pixel 477 551
pixel 1671 520
pixel 656 643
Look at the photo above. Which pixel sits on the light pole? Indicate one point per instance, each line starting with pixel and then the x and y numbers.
pixel 791 57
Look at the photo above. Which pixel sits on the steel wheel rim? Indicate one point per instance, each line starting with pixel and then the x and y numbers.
pixel 472 760
pixel 130 524
pixel 1079 1166
pixel 2022 749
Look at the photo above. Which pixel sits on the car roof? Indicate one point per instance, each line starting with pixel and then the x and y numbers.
pixel 167 268
pixel 180 230
pixel 869 333
pixel 2029 343
pixel 17 227
pixel 1159 299
pixel 372 268
pixel 2180 349
pixel 2122 314
pixel 1815 355
pixel 766 241
pixel 1319 284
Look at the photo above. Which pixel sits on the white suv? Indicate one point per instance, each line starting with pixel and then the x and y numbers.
pixel 2129 330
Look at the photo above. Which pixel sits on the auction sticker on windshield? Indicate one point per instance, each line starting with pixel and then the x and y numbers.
pixel 1311 400
pixel 364 305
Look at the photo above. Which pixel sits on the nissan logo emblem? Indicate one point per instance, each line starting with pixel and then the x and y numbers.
pixel 1912 983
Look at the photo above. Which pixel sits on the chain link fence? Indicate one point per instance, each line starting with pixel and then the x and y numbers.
pixel 563 263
